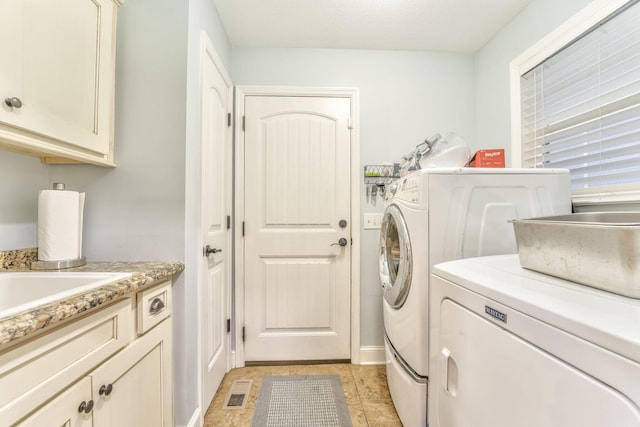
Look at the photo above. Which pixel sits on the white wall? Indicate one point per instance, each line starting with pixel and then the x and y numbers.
pixel 146 208
pixel 21 177
pixel 493 114
pixel 136 211
pixel 404 98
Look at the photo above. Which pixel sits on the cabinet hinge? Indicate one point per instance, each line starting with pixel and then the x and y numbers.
pixel 243 123
pixel 228 119
pixel 242 228
pixel 243 334
pixel 228 325
pixel 228 222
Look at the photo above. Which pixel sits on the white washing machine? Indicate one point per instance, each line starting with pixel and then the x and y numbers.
pixel 513 347
pixel 436 215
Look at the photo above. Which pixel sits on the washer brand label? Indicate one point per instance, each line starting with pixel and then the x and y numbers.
pixel 495 313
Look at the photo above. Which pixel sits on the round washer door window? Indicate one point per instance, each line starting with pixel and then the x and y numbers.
pixel 395 257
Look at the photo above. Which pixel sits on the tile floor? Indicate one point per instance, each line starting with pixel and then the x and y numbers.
pixel 365 390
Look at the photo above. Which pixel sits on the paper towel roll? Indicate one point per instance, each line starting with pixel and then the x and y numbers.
pixel 60 225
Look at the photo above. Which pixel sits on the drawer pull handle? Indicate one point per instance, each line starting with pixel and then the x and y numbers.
pixel 86 407
pixel 156 306
pixel 105 389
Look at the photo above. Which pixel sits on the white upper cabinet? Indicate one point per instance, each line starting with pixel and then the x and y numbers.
pixel 57 66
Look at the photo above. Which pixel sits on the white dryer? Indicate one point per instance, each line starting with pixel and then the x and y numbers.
pixel 436 215
pixel 513 347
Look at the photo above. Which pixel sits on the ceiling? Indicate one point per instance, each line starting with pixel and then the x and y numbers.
pixel 461 26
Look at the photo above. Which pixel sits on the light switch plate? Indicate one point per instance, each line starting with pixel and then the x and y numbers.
pixel 372 221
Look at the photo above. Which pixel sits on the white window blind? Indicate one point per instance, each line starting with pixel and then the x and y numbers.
pixel 580 108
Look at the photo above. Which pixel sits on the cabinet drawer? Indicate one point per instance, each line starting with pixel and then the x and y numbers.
pixel 35 371
pixel 154 305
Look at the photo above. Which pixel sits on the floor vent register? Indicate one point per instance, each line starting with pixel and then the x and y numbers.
pixel 237 397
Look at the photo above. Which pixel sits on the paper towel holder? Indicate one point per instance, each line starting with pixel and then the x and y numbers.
pixel 58 265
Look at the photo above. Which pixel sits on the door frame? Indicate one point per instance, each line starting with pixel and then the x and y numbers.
pixel 238 265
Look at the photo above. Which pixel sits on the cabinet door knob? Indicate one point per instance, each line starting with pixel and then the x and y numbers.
pixel 105 390
pixel 86 407
pixel 13 102
pixel 156 306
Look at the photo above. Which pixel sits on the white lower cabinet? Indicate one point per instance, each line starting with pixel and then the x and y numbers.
pixel 133 388
pixel 93 372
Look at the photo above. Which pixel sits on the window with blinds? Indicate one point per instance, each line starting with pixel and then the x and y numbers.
pixel 580 108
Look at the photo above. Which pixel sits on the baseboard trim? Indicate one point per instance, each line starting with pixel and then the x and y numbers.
pixel 372 355
pixel 196 419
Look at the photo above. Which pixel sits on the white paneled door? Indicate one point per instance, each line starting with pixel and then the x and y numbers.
pixel 214 276
pixel 297 243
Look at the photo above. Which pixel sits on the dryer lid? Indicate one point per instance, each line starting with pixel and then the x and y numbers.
pixel 395 261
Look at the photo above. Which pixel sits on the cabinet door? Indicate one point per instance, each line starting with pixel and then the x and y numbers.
pixel 58 60
pixel 140 383
pixel 64 409
pixel 10 53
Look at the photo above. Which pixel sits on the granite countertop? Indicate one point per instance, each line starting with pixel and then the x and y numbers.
pixel 143 275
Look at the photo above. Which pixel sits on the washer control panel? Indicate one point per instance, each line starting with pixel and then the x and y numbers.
pixel 408 188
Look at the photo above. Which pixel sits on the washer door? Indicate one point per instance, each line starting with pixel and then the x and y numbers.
pixel 395 257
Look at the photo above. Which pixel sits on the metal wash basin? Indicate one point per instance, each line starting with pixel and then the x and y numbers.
pixel 22 291
pixel 597 249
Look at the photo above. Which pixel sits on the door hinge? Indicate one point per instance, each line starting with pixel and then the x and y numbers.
pixel 242 228
pixel 228 119
pixel 243 123
pixel 228 222
pixel 228 325
pixel 349 123
pixel 243 334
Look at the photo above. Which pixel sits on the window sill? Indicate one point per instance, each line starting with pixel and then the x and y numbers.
pixel 620 196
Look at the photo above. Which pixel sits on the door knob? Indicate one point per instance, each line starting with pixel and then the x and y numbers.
pixel 341 242
pixel 342 223
pixel 208 250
